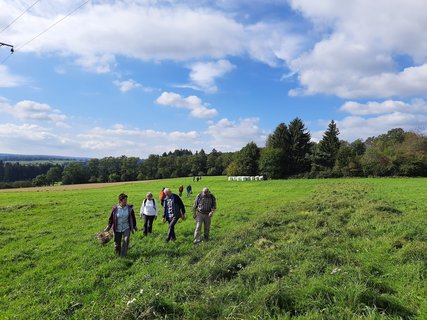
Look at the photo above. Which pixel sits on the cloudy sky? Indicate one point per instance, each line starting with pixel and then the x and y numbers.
pixel 103 77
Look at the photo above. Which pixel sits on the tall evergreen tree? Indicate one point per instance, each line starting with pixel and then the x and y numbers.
pixel 299 147
pixel 328 147
pixel 279 138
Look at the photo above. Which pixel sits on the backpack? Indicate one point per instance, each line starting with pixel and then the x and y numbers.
pixel 154 203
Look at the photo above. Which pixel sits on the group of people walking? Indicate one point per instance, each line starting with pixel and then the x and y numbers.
pixel 123 221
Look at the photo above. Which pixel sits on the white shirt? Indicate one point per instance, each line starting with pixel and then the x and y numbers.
pixel 149 209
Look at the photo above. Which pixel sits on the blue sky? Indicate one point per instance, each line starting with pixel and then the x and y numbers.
pixel 140 77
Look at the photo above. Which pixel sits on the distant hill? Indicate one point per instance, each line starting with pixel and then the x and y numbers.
pixel 28 157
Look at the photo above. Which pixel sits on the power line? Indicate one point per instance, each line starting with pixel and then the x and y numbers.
pixel 52 25
pixel 5 59
pixel 20 16
pixel 46 30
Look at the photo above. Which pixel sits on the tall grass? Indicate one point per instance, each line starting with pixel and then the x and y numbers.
pixel 305 249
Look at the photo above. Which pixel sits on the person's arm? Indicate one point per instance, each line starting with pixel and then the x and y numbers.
pixel 182 207
pixel 132 214
pixel 196 203
pixel 141 211
pixel 213 206
pixel 110 220
pixel 155 208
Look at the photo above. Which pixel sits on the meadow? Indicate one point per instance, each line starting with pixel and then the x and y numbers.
pixel 282 249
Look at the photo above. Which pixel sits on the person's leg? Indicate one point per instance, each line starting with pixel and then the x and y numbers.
pixel 150 224
pixel 171 231
pixel 207 224
pixel 145 224
pixel 117 242
pixel 126 241
pixel 199 222
pixel 169 235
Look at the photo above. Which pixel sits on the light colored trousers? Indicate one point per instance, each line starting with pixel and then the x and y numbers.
pixel 202 219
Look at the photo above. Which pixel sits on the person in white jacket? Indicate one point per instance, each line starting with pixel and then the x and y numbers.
pixel 149 210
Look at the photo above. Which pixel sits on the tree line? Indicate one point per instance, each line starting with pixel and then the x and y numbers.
pixel 288 152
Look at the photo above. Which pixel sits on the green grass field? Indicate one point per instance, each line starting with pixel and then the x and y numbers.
pixel 303 249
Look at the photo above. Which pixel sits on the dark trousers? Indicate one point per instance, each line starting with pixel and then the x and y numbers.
pixel 121 242
pixel 171 231
pixel 148 224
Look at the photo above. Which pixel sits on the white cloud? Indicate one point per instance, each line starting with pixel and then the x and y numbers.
pixel 203 75
pixel 224 135
pixel 273 43
pixel 98 63
pixel 7 80
pixel 121 140
pixel 130 84
pixel 96 142
pixel 30 132
pixel 193 103
pixel 34 139
pixel 230 135
pixel 362 43
pixel 375 118
pixel 388 106
pixel 354 127
pixel 149 30
pixel 127 85
pixel 33 111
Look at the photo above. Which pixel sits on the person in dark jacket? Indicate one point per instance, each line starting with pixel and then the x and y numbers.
pixel 173 210
pixel 189 190
pixel 122 221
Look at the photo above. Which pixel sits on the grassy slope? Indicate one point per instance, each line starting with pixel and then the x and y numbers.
pixel 312 249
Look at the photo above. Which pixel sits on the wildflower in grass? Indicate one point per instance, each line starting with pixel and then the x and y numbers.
pixel 335 270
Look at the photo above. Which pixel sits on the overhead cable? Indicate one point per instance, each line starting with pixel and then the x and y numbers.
pixel 25 11
pixel 46 30
pixel 52 25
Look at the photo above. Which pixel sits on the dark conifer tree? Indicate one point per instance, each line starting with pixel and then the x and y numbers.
pixel 328 147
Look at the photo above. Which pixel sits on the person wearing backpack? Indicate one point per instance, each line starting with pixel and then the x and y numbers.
pixel 203 210
pixel 149 210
